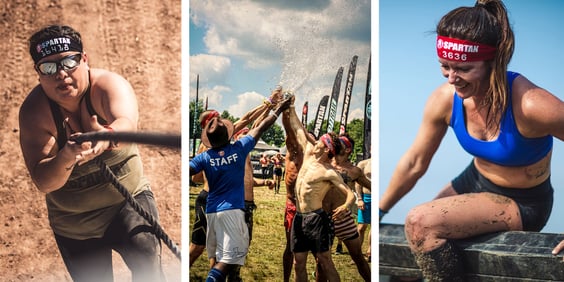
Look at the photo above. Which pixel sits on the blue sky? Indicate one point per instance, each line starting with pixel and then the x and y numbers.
pixel 409 71
pixel 243 49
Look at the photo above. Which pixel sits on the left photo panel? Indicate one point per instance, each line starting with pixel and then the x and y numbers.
pixel 90 184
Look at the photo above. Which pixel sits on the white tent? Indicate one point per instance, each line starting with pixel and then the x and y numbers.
pixel 262 146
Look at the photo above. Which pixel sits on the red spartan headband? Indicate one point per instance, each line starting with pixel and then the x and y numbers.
pixel 346 141
pixel 208 118
pixel 245 130
pixel 463 51
pixel 326 139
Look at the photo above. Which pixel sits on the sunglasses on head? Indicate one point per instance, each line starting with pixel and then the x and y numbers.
pixel 67 63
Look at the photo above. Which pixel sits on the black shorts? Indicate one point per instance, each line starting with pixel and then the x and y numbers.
pixel 200 222
pixel 535 203
pixel 250 207
pixel 278 171
pixel 311 232
pixel 129 233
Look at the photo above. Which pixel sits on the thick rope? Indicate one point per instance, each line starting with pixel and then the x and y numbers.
pixel 159 232
pixel 150 138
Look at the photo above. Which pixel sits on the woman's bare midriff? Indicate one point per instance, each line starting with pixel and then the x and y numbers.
pixel 515 177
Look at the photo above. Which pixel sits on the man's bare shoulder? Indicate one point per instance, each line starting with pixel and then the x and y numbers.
pixel 363 163
pixel 354 171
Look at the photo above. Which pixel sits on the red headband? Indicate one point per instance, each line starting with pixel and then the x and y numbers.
pixel 346 141
pixel 326 139
pixel 245 130
pixel 211 115
pixel 463 51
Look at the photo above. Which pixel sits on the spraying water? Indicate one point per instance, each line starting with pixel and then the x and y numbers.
pixel 309 57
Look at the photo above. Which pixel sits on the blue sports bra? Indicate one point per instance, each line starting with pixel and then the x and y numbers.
pixel 510 148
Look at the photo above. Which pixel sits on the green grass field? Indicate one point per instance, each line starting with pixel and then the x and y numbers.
pixel 264 260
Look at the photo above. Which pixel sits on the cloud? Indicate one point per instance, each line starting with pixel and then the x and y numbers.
pixel 245 102
pixel 261 33
pixel 304 42
pixel 210 68
pixel 214 95
pixel 355 114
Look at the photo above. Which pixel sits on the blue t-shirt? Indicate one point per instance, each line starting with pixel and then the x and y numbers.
pixel 225 171
pixel 510 148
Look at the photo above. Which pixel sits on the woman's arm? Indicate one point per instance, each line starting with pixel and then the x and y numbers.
pixel 414 163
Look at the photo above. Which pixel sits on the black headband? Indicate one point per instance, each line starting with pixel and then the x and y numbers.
pixel 54 45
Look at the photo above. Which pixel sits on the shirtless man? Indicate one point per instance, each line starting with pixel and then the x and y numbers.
pixel 277 161
pixel 316 176
pixel 345 227
pixel 293 163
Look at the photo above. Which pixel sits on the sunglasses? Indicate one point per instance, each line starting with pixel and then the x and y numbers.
pixel 67 63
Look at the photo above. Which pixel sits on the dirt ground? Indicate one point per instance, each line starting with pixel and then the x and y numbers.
pixel 137 39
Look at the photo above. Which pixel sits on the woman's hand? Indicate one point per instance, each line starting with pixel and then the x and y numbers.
pixel 87 151
pixel 558 248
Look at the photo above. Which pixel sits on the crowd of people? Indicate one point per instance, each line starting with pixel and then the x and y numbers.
pixel 309 218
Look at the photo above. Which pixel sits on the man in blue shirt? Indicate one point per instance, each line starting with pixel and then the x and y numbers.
pixel 224 167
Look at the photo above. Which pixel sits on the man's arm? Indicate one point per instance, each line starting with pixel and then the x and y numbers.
pixel 363 180
pixel 343 188
pixel 338 183
pixel 199 177
pixel 259 113
pixel 296 134
pixel 250 116
pixel 257 132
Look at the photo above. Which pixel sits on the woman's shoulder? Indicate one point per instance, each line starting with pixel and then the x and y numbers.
pixel 527 93
pixel 441 99
pixel 104 78
pixel 35 100
pixel 530 99
pixel 444 91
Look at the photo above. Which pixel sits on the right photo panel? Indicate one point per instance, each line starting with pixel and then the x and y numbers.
pixel 470 140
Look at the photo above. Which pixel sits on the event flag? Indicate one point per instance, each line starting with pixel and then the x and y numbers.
pixel 320 115
pixel 348 93
pixel 333 102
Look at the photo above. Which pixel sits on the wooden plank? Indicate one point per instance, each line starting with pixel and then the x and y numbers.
pixel 504 256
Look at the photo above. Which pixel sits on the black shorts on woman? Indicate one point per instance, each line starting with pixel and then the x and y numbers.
pixel 535 203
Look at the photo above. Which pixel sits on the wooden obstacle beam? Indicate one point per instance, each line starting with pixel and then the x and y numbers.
pixel 503 256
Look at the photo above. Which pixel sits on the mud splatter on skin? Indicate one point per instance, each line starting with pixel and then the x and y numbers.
pixel 537 172
pixel 498 199
pixel 441 264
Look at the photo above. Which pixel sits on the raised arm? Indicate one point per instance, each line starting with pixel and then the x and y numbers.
pixel 296 134
pixel 259 113
pixel 269 120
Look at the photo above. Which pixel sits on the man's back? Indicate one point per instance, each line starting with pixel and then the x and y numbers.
pixel 224 168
